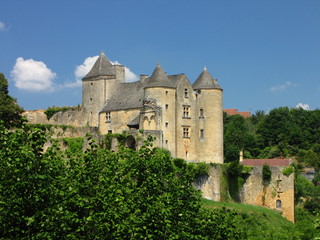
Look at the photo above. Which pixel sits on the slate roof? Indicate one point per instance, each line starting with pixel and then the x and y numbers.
pixel 126 96
pixel 278 162
pixel 206 81
pixel 101 67
pixel 159 79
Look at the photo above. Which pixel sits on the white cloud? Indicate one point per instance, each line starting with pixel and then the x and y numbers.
pixel 303 106
pixel 32 75
pixel 85 67
pixel 282 87
pixel 2 26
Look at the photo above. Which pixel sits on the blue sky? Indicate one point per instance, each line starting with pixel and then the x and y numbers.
pixel 265 54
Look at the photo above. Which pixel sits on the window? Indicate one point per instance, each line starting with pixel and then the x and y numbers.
pixel 201 113
pixel 186 93
pixel 278 204
pixel 167 106
pixel 186 110
pixel 201 134
pixel 167 124
pixel 166 141
pixel 91 84
pixel 109 131
pixel 166 92
pixel 186 132
pixel 91 99
pixel 108 117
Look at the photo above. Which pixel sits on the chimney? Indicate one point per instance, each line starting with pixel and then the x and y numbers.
pixel 241 157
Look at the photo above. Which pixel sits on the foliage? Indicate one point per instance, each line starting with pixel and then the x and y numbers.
pixel 258 222
pixel 98 194
pixel 305 224
pixel 288 171
pixel 53 110
pixel 10 111
pixel 236 137
pixel 302 187
pixel 266 173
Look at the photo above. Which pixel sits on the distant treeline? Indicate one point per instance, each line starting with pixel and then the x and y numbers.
pixel 283 132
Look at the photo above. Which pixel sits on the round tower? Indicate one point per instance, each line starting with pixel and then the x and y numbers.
pixel 210 124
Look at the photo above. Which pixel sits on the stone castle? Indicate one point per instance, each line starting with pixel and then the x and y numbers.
pixel 184 118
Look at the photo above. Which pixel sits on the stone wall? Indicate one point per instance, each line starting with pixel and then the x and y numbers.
pixel 254 191
pixel 280 188
pixel 71 117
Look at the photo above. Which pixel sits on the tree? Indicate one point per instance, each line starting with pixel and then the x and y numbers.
pixel 10 111
pixel 98 194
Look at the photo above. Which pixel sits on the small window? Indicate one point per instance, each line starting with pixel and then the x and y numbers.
pixel 278 204
pixel 91 84
pixel 109 131
pixel 186 110
pixel 186 132
pixel 166 92
pixel 201 113
pixel 167 106
pixel 186 93
pixel 91 99
pixel 166 141
pixel 167 124
pixel 201 134
pixel 108 117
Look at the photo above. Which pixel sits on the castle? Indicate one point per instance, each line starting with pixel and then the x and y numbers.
pixel 186 119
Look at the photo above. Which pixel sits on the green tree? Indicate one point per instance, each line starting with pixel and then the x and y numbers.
pixel 10 111
pixel 236 137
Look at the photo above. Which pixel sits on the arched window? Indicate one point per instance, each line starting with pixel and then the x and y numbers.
pixel 152 123
pixel 278 204
pixel 145 123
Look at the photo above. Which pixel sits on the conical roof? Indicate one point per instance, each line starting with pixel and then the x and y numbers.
pixel 206 81
pixel 101 67
pixel 159 79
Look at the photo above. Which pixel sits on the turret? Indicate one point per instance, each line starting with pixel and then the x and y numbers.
pixel 210 111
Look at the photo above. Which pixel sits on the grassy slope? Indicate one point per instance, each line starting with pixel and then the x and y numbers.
pixel 259 222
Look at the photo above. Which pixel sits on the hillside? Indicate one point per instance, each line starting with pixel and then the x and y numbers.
pixel 259 222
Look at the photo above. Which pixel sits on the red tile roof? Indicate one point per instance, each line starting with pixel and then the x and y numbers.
pixel 279 162
pixel 234 111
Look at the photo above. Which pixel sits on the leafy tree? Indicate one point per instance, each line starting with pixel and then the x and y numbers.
pixel 236 137
pixel 98 194
pixel 10 111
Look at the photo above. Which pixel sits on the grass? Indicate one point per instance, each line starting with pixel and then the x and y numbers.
pixel 258 222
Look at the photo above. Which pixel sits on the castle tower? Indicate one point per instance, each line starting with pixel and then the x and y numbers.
pixel 159 112
pixel 98 86
pixel 210 124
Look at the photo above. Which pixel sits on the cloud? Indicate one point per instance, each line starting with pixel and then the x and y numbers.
pixel 303 106
pixel 2 26
pixel 32 75
pixel 282 87
pixel 85 67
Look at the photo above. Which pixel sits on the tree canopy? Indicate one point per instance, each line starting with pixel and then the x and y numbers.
pixel 10 111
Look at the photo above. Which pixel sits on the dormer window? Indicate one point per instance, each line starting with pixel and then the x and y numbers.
pixel 186 93
pixel 108 117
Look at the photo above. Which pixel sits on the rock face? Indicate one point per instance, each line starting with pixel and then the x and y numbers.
pixel 210 185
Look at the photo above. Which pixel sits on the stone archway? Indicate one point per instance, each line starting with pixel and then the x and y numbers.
pixel 131 142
